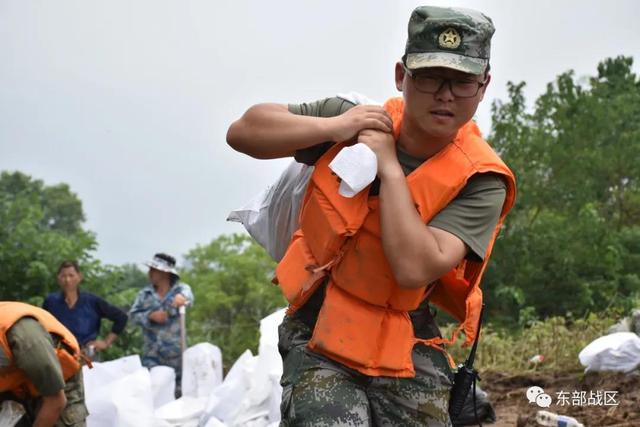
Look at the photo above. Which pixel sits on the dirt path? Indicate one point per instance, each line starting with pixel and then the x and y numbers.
pixel 508 396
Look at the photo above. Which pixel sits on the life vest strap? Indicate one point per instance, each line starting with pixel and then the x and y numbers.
pixel 312 282
pixel 436 343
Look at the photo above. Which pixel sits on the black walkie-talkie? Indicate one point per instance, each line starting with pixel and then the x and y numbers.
pixel 464 378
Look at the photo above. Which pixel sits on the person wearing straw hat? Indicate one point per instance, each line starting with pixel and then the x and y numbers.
pixel 156 310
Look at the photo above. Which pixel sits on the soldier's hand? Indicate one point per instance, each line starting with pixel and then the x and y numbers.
pixel 158 316
pixel 99 345
pixel 384 147
pixel 179 300
pixel 347 125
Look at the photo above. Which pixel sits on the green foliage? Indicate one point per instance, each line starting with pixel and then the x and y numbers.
pixel 571 242
pixel 39 227
pixel 230 278
pixel 570 245
pixel 118 285
pixel 558 339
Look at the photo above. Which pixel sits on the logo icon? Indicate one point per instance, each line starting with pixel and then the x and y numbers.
pixel 537 395
pixel 449 39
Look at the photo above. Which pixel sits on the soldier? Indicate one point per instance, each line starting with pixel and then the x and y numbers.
pixel 40 367
pixel 156 311
pixel 359 344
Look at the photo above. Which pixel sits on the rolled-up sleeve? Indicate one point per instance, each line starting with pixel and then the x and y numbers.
pixel 33 352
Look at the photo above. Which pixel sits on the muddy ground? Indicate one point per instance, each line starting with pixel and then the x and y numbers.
pixel 508 396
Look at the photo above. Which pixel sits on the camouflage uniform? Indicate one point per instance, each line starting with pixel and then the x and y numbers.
pixel 74 414
pixel 35 350
pixel 320 392
pixel 161 341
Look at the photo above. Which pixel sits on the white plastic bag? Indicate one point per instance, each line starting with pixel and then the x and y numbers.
pixel 615 352
pixel 271 218
pixel 10 413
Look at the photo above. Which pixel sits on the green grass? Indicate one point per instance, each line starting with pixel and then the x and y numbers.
pixel 558 339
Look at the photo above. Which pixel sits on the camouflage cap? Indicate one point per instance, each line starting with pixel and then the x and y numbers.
pixel 449 37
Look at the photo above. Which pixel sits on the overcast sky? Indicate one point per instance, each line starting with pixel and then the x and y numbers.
pixel 129 101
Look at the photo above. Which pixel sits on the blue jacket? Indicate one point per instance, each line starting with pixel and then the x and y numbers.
pixel 83 319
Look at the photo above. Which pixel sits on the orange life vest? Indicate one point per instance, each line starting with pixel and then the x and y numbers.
pixel 364 321
pixel 13 379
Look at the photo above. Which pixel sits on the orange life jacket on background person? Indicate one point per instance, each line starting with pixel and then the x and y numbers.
pixel 364 321
pixel 13 379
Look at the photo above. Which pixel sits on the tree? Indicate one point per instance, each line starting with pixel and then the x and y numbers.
pixel 39 227
pixel 119 285
pixel 570 243
pixel 231 280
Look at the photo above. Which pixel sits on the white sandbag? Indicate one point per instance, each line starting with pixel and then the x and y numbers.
pixel 105 373
pixel 214 422
pixel 124 402
pixel 269 357
pixel 183 412
pixel 260 404
pixel 250 394
pixel 163 385
pixel 201 370
pixel 272 217
pixel 253 408
pixel 271 362
pixel 10 413
pixel 223 401
pixel 615 352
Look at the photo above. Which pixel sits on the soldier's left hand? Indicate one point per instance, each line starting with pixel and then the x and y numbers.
pixel 179 300
pixel 384 147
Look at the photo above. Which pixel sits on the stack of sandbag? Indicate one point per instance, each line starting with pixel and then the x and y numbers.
pixel 250 394
pixel 119 393
pixel 122 393
pixel 201 373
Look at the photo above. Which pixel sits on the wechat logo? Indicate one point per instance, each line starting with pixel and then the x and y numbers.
pixel 537 395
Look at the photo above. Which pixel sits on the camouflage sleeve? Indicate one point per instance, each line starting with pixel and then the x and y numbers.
pixel 32 349
pixel 140 310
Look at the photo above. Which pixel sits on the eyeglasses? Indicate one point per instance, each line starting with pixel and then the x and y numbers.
pixel 460 88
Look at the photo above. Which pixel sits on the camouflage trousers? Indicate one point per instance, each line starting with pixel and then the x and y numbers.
pixel 320 392
pixel 74 414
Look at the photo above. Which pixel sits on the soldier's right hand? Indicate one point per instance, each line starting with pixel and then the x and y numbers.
pixel 158 316
pixel 347 125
